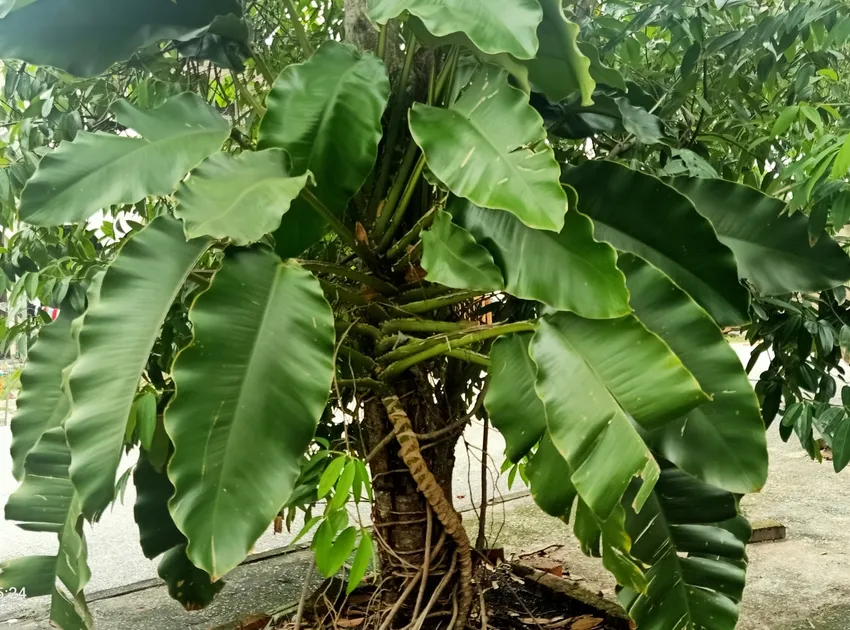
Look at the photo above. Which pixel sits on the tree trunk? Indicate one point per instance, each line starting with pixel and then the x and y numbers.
pixel 400 512
pixel 358 29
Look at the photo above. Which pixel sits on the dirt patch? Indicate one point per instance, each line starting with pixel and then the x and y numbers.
pixel 514 597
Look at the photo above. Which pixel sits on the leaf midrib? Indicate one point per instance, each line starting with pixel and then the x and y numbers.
pixel 142 146
pixel 265 181
pixel 225 461
pixel 704 285
pixel 505 157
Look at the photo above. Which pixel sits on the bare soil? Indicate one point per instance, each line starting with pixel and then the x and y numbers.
pixel 511 602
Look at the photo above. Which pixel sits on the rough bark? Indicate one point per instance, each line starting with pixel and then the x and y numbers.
pixel 428 485
pixel 358 29
pixel 399 510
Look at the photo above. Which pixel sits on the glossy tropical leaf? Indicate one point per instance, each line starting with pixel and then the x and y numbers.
pixel 144 413
pixel 490 148
pixel 723 441
pixel 240 198
pixel 559 69
pixel 159 535
pixel 591 395
pixel 85 37
pixel 452 258
pixel 511 401
pixel 138 289
pixel 98 170
pixel 599 72
pixel 548 475
pixel 157 531
pixel 518 413
pixel 772 247
pixel 186 583
pixel 496 26
pixel 569 270
pixel 338 93
pixel 239 441
pixel 638 213
pixel 42 405
pixel 697 568
pixel 47 502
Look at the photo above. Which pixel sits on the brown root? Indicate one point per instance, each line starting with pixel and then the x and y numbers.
pixel 442 507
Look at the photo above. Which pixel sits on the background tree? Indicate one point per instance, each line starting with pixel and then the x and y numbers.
pixel 394 235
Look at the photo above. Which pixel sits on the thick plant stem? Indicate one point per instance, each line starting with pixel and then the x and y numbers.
pixel 419 346
pixel 395 127
pixel 382 42
pixel 444 345
pixel 428 486
pixel 424 325
pixel 447 300
pixel 399 212
pixel 400 246
pixel 397 189
pixel 339 227
pixel 446 72
pixel 421 293
pixel 379 285
pixel 469 356
pixel 362 329
pixel 300 33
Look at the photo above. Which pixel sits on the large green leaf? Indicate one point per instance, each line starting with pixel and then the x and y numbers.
pixel 519 414
pixel 46 502
pixel 85 37
pixel 599 71
pixel 490 147
pixel 696 567
pixel 495 26
pixel 511 401
pixel 595 377
pixel 721 442
pixel 568 270
pixel 640 214
pixel 452 258
pixel 241 198
pixel 559 68
pixel 157 531
pixel 326 113
pixel 239 434
pixel 42 404
pixel 138 289
pixel 772 247
pixel 159 535
pixel 98 170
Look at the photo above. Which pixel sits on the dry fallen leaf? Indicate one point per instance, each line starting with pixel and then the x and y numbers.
pixel 350 623
pixel 586 622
